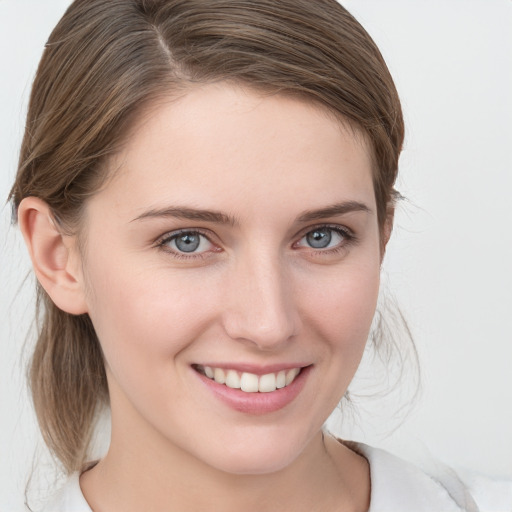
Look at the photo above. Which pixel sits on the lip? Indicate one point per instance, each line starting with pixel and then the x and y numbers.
pixel 256 403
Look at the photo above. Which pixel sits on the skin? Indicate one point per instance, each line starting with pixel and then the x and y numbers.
pixel 255 292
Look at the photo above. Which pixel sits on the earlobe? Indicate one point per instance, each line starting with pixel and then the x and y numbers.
pixel 51 254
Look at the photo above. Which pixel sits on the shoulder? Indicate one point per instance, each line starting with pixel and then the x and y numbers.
pixel 69 498
pixel 400 486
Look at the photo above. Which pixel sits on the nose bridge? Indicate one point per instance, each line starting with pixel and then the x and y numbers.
pixel 261 306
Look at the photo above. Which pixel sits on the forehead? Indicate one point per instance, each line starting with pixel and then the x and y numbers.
pixel 226 146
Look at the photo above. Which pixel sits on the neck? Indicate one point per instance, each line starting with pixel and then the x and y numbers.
pixel 145 471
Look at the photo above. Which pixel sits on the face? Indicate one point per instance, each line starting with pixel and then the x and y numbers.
pixel 231 272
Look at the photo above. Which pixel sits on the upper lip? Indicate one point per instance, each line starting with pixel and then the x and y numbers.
pixel 254 368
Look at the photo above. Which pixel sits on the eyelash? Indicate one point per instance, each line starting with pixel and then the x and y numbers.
pixel 348 236
pixel 348 239
pixel 169 237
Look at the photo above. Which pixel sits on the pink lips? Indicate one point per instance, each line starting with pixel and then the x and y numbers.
pixel 257 403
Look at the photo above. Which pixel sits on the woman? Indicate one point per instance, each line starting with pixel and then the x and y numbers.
pixel 206 192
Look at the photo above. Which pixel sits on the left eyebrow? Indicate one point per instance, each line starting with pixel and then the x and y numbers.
pixel 333 211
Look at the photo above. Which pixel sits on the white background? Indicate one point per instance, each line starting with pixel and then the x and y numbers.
pixel 449 263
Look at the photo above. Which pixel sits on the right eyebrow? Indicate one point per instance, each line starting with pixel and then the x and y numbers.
pixel 334 210
pixel 188 214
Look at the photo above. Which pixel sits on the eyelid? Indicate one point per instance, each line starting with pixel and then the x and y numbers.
pixel 170 235
pixel 335 227
pixel 347 233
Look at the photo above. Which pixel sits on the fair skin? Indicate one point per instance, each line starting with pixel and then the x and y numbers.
pixel 239 232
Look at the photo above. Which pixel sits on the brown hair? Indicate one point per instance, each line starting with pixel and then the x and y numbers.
pixel 103 63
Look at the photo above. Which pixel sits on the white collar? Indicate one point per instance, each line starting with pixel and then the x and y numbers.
pixel 399 486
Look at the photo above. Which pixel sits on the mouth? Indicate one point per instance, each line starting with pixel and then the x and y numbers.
pixel 252 390
pixel 249 382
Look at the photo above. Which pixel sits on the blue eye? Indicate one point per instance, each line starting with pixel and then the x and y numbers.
pixel 187 242
pixel 324 237
pixel 319 239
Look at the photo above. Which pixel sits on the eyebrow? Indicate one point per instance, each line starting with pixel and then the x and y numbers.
pixel 222 218
pixel 188 214
pixel 334 210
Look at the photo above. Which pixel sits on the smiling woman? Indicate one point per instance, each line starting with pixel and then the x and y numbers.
pixel 245 299
pixel 206 194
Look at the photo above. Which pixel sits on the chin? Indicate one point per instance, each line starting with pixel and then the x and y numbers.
pixel 258 457
pixel 259 465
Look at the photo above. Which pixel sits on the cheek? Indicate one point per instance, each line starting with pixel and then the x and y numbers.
pixel 342 308
pixel 145 317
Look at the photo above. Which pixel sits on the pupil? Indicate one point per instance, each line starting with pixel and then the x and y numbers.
pixel 319 239
pixel 187 242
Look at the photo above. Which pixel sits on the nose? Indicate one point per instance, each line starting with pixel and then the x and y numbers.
pixel 260 306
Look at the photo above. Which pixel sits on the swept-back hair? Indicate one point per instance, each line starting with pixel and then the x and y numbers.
pixel 103 64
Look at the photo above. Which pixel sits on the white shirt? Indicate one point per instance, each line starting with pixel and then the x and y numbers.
pixel 396 486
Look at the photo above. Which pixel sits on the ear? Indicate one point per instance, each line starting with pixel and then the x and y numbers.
pixel 386 231
pixel 54 256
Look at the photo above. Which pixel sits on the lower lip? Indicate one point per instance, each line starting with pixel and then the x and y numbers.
pixel 257 403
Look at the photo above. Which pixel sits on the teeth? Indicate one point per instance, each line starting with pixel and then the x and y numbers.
pixel 281 379
pixel 267 383
pixel 249 382
pixel 232 380
pixel 290 375
pixel 219 375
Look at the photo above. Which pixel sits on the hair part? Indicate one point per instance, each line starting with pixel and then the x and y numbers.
pixel 104 63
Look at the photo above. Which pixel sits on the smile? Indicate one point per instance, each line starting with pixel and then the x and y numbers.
pixel 250 382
